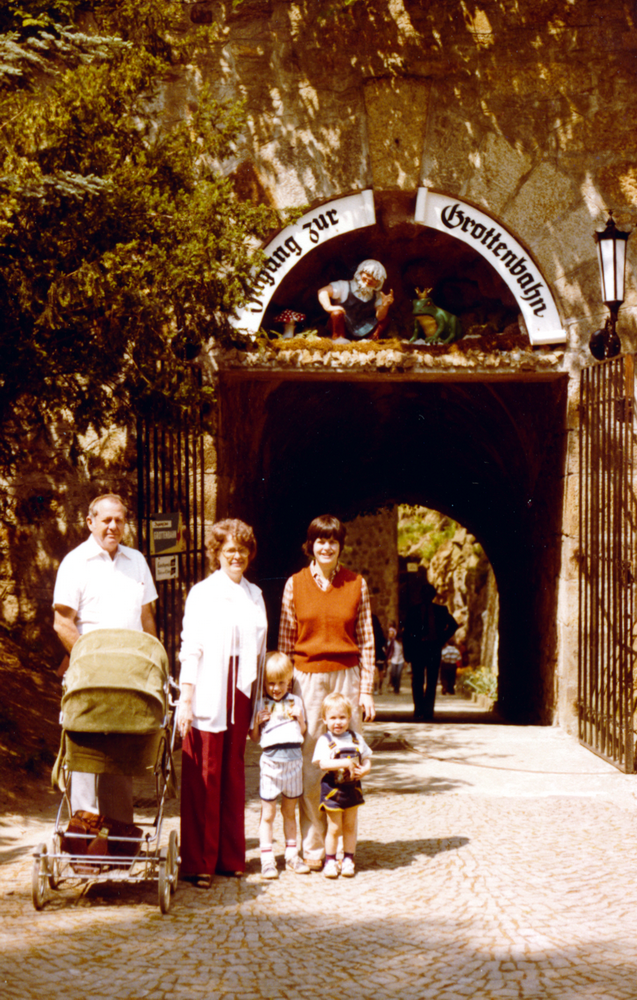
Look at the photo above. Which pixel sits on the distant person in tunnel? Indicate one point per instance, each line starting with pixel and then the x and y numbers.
pixel 450 661
pixel 395 657
pixel 379 648
pixel 326 627
pixel 428 626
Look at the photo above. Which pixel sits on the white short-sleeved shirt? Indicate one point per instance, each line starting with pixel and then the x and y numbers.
pixel 397 655
pixel 105 592
pixel 324 751
pixel 282 726
pixel 450 654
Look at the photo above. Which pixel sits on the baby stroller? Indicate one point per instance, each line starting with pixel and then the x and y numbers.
pixel 117 718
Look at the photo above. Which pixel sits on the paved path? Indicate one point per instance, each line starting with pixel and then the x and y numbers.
pixel 493 861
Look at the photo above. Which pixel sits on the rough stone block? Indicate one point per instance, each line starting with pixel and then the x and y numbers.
pixel 544 197
pixel 396 119
pixel 499 169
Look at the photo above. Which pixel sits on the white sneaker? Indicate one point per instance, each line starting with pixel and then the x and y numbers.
pixel 268 869
pixel 330 869
pixel 348 869
pixel 297 865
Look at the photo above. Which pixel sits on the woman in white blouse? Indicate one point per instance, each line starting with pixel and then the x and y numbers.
pixel 222 654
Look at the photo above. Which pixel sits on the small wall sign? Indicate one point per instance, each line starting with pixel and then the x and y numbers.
pixel 167 534
pixel 167 568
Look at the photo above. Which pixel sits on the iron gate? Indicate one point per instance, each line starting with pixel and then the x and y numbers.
pixel 171 481
pixel 607 560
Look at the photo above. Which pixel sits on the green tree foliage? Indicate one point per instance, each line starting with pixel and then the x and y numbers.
pixel 122 245
pixel 422 531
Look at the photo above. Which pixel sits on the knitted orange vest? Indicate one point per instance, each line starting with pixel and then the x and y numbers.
pixel 327 622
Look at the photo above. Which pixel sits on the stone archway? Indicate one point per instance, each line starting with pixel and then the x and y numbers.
pixel 487 450
pixel 489 453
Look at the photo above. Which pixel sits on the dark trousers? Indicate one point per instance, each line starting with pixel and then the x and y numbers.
pixel 395 673
pixel 425 666
pixel 213 796
pixel 448 673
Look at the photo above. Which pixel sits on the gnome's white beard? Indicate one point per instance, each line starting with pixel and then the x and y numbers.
pixel 362 291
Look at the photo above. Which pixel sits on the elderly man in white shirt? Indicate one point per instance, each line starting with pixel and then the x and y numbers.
pixel 103 584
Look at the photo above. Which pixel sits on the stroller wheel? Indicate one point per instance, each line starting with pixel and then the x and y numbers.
pixel 54 865
pixel 173 860
pixel 165 895
pixel 39 876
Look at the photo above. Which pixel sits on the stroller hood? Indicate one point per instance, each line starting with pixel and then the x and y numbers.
pixel 116 683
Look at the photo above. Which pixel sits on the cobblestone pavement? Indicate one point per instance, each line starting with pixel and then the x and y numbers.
pixel 493 861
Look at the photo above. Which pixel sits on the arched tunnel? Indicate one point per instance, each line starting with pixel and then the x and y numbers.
pixel 487 453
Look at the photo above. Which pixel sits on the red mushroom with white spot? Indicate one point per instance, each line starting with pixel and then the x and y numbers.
pixel 289 319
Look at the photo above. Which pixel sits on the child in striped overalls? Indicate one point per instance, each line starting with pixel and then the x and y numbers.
pixel 279 727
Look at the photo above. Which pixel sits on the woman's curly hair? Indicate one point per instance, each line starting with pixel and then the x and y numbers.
pixel 230 528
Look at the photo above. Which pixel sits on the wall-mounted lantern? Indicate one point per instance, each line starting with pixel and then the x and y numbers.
pixel 611 250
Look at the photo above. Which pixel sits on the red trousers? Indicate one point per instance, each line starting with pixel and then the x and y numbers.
pixel 213 796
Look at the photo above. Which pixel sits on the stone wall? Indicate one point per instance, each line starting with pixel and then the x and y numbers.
pixel 45 516
pixel 371 549
pixel 490 619
pixel 525 111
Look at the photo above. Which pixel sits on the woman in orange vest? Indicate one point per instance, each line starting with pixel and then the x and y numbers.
pixel 326 628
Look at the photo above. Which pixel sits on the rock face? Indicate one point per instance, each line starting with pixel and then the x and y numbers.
pixel 378 544
pixel 461 574
pixel 458 568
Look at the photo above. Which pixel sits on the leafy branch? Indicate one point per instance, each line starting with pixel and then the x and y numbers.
pixel 123 246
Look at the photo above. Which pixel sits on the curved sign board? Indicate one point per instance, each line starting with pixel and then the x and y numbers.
pixel 504 253
pixel 285 250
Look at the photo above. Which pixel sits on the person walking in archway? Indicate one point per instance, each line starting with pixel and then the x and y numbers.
pixel 427 628
pixel 395 657
pixel 379 652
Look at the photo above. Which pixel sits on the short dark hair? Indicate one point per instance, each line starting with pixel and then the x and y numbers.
pixel 325 526
pixel 220 532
